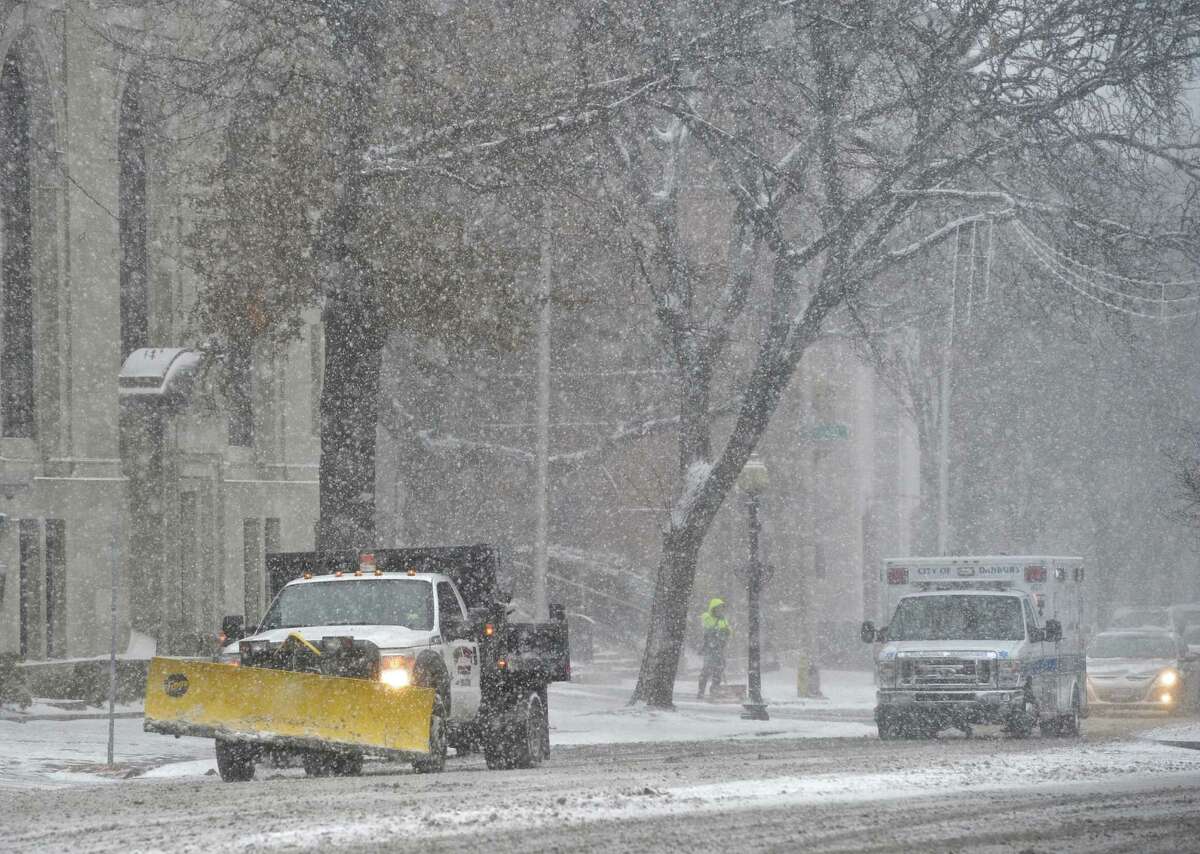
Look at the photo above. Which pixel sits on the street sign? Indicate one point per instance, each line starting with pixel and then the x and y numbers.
pixel 766 571
pixel 826 433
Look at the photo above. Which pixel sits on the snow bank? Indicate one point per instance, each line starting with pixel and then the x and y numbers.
pixel 1188 732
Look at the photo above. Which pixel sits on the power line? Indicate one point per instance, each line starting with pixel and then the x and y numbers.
pixel 1068 261
pixel 1096 292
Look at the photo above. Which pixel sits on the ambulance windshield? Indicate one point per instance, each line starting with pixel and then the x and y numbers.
pixel 958 617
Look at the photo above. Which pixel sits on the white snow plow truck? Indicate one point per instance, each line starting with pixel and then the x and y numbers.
pixel 398 653
pixel 980 640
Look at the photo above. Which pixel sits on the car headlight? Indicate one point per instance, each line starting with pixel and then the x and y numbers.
pixel 1168 678
pixel 395 671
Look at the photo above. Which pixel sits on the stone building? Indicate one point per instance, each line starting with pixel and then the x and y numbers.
pixel 89 274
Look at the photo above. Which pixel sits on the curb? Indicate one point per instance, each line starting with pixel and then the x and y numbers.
pixel 20 719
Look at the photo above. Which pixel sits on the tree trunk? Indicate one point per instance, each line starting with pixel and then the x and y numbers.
pixel 681 547
pixel 349 414
pixel 354 334
pixel 668 618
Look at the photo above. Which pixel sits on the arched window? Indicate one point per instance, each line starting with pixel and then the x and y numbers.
pixel 131 189
pixel 16 335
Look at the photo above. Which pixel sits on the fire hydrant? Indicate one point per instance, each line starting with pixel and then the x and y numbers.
pixel 808 680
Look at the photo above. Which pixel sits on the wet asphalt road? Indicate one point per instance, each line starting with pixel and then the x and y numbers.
pixel 727 795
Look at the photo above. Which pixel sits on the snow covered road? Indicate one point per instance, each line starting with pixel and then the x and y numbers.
pixel 774 793
pixel 620 779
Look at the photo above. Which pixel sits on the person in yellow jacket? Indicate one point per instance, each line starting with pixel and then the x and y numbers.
pixel 716 637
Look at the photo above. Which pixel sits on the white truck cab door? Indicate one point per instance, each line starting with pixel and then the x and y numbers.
pixel 461 657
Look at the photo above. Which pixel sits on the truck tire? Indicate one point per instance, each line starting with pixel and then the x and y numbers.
pixel 436 761
pixel 235 761
pixel 520 741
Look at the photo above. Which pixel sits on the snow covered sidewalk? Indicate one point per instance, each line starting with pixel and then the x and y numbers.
pixel 587 712
pixel 57 752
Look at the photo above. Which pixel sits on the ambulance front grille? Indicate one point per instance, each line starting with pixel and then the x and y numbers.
pixel 937 672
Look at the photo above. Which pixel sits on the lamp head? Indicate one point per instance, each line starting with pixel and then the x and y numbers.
pixel 753 478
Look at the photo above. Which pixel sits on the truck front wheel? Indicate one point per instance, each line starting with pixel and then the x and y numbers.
pixel 235 761
pixel 436 761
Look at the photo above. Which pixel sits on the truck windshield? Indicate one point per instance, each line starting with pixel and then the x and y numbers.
pixel 957 618
pixel 368 602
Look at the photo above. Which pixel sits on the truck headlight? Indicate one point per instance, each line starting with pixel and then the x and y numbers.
pixel 886 673
pixel 395 671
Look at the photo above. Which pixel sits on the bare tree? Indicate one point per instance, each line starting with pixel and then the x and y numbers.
pixel 829 133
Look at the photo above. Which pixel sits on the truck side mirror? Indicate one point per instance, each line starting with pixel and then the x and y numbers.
pixel 868 632
pixel 1053 631
pixel 233 628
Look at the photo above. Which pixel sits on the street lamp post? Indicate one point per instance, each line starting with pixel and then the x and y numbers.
pixel 753 481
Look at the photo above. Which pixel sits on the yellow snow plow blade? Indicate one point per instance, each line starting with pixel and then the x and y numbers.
pixel 286 709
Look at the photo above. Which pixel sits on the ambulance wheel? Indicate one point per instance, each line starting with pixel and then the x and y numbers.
pixel 436 761
pixel 235 761
pixel 1064 726
pixel 1020 724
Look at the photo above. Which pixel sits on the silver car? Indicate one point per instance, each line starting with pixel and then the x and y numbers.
pixel 1135 670
pixel 1147 617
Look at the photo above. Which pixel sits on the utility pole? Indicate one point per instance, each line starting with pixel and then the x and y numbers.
pixel 540 545
pixel 114 569
pixel 943 520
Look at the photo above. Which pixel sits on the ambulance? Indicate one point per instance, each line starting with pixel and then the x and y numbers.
pixel 980 640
